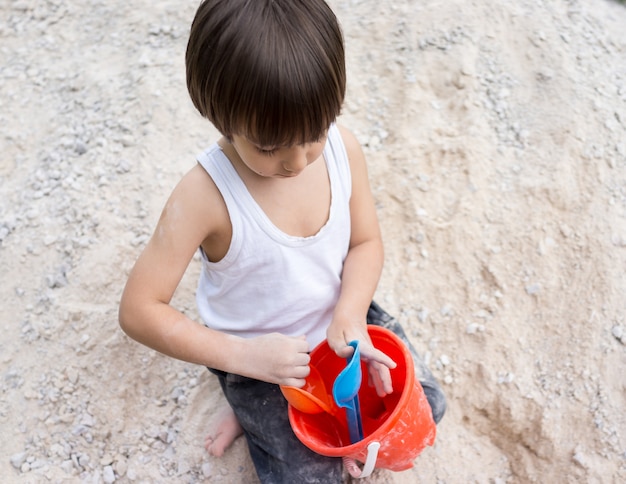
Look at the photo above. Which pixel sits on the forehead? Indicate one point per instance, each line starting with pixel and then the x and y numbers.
pixel 285 139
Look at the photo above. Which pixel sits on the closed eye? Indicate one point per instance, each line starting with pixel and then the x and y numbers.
pixel 267 152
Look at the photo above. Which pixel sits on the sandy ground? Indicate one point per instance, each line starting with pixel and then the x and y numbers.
pixel 495 133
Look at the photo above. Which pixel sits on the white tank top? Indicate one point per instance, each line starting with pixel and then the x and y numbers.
pixel 270 281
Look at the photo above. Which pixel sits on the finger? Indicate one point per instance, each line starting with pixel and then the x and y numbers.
pixel 300 372
pixel 381 378
pixel 301 359
pixel 374 379
pixel 294 382
pixel 384 375
pixel 302 346
pixel 370 353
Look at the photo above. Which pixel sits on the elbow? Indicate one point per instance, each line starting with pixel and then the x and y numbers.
pixel 125 318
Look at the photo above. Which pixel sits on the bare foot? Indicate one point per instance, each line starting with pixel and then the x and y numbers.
pixel 225 430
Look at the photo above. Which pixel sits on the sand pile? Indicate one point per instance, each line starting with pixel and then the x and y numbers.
pixel 495 133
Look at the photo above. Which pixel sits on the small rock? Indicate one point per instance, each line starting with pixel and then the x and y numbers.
pixel 580 459
pixel 183 467
pixel 207 469
pixel 38 464
pixel 123 166
pixel 127 141
pixel 473 328
pixel 18 459
pixel 120 466
pixel 131 474
pixel 83 460
pixel 87 420
pixel 106 460
pixel 447 310
pixel 505 378
pixel 4 232
pixel 56 281
pixel 67 466
pixel 80 148
pixel 72 375
pixel 618 241
pixel 108 475
pixel 533 289
pixel 59 450
pixel 422 315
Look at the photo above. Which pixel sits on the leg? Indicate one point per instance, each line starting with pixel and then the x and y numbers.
pixel 224 432
pixel 434 394
pixel 277 454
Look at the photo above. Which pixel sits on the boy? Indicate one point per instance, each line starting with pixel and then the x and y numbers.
pixel 282 213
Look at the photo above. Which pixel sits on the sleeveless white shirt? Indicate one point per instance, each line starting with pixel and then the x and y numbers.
pixel 270 281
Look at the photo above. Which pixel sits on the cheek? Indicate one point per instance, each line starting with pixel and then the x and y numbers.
pixel 315 153
pixel 260 166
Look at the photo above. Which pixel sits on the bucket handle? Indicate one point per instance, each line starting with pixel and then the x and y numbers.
pixel 370 462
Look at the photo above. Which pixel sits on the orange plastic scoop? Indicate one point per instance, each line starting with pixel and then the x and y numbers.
pixel 312 397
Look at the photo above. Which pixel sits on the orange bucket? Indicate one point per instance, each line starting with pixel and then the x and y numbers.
pixel 396 427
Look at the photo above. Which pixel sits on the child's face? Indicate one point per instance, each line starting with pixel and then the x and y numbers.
pixel 277 161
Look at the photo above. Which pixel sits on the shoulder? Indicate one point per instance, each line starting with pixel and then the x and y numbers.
pixel 349 140
pixel 196 186
pixel 356 157
pixel 197 201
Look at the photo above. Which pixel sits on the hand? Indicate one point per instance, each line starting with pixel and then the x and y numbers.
pixel 378 363
pixel 276 358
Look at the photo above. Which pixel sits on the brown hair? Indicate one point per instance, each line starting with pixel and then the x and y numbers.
pixel 270 70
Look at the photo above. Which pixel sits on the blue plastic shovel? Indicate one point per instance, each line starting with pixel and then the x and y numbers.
pixel 346 393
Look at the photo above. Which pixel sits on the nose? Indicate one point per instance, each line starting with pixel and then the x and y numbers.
pixel 296 161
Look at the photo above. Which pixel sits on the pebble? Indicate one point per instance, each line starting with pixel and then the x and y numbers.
pixel 446 310
pixel 120 466
pixel 422 315
pixel 618 240
pixel 108 475
pixel 473 328
pixel 533 289
pixel 580 459
pixel 67 466
pixel 131 474
pixel 207 469
pixel 18 459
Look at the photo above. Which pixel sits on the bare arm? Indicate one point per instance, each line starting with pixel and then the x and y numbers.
pixel 361 272
pixel 195 213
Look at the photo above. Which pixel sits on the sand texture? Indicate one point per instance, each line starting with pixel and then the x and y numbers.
pixel 495 133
